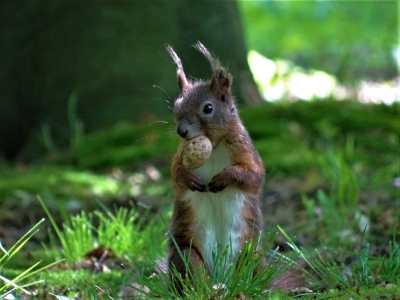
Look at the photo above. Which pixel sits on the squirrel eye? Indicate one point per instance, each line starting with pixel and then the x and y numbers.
pixel 208 108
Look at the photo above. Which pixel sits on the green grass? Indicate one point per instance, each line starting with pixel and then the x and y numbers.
pixel 287 135
pixel 123 231
pixel 61 181
pixel 361 293
pixel 8 286
pixel 129 238
pixel 330 146
pixel 230 277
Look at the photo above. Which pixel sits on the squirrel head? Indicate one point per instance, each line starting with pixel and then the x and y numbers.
pixel 204 107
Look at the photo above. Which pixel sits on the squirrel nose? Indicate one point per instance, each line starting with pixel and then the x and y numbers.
pixel 182 132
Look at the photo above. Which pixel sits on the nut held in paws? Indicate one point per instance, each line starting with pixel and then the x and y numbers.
pixel 195 152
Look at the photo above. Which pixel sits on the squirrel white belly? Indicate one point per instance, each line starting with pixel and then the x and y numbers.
pixel 218 218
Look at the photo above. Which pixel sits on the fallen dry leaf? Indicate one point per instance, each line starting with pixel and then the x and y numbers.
pixel 100 252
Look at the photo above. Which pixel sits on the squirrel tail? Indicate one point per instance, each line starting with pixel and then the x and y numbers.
pixel 293 278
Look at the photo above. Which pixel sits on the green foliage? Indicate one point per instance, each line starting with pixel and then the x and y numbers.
pixel 76 131
pixel 123 232
pixel 65 182
pixel 338 213
pixel 344 189
pixel 129 233
pixel 126 233
pixel 357 293
pixel 282 132
pixel 291 137
pixel 339 37
pixel 389 268
pixel 364 271
pixel 126 143
pixel 8 286
pixel 231 277
pixel 351 146
pixel 81 283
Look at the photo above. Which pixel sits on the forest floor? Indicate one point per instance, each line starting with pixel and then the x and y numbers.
pixel 332 184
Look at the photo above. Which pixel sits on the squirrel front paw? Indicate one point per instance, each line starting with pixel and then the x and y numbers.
pixel 196 184
pixel 187 178
pixel 218 182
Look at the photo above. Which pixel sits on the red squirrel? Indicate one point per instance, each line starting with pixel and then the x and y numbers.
pixel 216 205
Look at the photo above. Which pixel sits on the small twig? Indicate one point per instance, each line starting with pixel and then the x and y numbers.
pixel 99 263
pixel 103 257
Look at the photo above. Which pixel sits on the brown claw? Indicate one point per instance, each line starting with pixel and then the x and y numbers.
pixel 198 186
pixel 214 188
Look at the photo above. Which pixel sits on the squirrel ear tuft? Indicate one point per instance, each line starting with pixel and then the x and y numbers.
pixel 182 81
pixel 221 81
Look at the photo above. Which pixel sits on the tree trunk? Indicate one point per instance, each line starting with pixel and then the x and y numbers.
pixel 109 54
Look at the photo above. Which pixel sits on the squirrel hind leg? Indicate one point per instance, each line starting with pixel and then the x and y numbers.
pixel 194 263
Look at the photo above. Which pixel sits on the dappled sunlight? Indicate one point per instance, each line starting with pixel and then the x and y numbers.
pixel 64 182
pixel 376 92
pixel 281 79
pixel 98 185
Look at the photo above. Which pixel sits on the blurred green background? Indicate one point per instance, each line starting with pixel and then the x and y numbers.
pixel 69 66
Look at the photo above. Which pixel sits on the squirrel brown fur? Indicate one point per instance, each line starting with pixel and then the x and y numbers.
pixel 216 205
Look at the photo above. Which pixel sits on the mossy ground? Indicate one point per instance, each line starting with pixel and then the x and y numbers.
pixel 307 149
